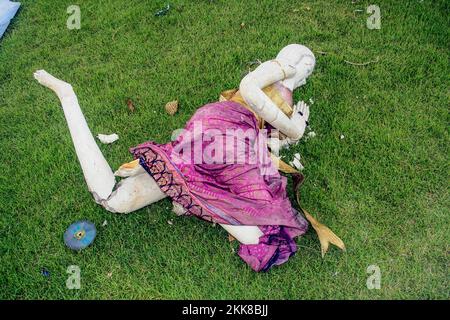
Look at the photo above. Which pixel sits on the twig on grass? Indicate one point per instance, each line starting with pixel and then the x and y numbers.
pixel 361 64
pixel 350 62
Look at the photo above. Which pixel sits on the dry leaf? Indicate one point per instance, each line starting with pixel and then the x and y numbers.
pixel 231 238
pixel 172 107
pixel 130 105
pixel 325 235
pixel 242 25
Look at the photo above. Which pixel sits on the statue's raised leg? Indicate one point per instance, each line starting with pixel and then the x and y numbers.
pixel 131 193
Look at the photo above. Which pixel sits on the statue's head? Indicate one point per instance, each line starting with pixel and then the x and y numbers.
pixel 302 59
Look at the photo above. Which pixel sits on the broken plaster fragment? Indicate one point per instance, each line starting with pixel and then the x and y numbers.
pixel 107 138
pixel 178 209
pixel 296 164
pixel 275 144
pixel 163 11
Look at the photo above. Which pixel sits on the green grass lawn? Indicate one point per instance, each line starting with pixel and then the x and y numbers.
pixel 383 188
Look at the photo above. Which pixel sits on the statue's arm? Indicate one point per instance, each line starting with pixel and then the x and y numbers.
pixel 251 87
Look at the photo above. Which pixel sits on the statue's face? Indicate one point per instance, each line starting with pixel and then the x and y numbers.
pixel 302 59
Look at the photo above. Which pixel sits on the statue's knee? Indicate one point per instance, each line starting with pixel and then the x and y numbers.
pixel 113 206
pixel 133 193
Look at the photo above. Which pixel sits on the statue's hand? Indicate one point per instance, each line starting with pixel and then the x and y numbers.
pixel 300 117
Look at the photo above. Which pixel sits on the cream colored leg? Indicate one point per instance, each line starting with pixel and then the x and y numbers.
pixel 133 192
pixel 97 173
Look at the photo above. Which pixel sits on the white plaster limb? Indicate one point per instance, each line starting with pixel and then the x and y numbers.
pixel 131 193
pixel 134 193
pixel 292 66
pixel 251 87
pixel 244 234
pixel 300 118
pixel 97 173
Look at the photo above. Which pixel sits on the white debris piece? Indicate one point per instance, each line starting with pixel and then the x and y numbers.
pixel 341 136
pixel 311 134
pixel 108 138
pixel 104 223
pixel 170 222
pixel 311 101
pixel 178 209
pixel 296 162
pixel 275 144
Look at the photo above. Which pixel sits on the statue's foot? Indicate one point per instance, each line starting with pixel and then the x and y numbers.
pixel 49 81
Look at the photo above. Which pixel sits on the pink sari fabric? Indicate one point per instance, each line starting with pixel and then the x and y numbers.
pixel 249 192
